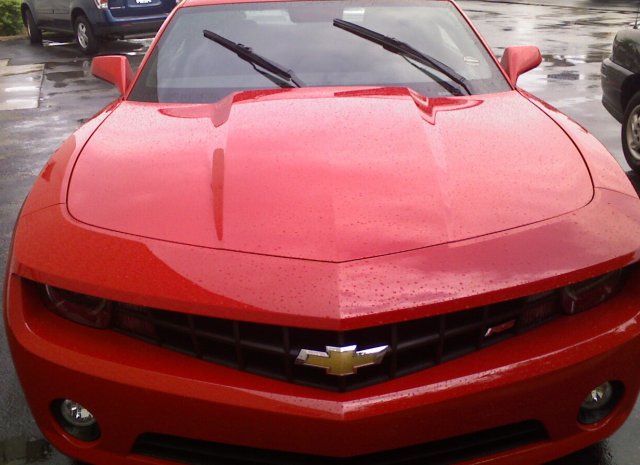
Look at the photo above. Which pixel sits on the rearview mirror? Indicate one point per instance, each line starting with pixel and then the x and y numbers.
pixel 519 60
pixel 114 69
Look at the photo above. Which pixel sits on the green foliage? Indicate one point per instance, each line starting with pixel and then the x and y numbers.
pixel 10 18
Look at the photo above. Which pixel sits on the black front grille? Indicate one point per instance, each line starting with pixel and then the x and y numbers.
pixel 444 452
pixel 271 351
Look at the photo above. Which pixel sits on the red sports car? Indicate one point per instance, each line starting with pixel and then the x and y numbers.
pixel 326 232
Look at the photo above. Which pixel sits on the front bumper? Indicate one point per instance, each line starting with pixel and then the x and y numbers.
pixel 133 388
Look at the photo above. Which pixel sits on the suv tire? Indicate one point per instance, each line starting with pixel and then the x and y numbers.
pixel 631 133
pixel 87 41
pixel 35 34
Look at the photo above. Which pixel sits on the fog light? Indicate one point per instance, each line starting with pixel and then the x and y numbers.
pixel 600 402
pixel 75 419
pixel 76 414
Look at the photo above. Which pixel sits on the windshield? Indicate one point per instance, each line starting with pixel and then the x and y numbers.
pixel 420 44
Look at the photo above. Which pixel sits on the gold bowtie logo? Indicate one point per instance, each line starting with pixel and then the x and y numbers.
pixel 341 361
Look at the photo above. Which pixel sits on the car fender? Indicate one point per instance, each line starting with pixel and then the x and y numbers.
pixel 28 5
pixel 626 55
pixel 50 187
pixel 626 49
pixel 86 8
pixel 605 171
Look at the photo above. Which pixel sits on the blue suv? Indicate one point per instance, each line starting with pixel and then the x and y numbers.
pixel 93 20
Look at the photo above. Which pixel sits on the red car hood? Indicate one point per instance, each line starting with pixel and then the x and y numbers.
pixel 326 174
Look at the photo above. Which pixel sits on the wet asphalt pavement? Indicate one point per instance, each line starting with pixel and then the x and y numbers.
pixel 574 37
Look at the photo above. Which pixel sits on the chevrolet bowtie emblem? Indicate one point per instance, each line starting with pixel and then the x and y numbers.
pixel 341 361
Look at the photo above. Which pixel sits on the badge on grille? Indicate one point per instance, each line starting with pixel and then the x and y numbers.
pixel 341 361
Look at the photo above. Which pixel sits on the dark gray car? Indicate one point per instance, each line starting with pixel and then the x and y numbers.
pixel 621 91
pixel 92 21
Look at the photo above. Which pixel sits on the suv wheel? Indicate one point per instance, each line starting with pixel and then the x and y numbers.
pixel 631 133
pixel 87 40
pixel 35 34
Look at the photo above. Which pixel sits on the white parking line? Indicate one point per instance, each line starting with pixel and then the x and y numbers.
pixel 20 85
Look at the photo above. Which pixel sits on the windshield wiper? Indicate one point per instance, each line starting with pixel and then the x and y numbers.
pixel 402 48
pixel 248 55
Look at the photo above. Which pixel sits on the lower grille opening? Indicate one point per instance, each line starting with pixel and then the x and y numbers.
pixel 443 452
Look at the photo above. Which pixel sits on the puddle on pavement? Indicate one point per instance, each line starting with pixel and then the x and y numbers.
pixel 61 79
pixel 565 76
pixel 20 450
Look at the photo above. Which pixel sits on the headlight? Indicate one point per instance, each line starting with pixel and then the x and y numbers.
pixel 576 298
pixel 588 294
pixel 90 311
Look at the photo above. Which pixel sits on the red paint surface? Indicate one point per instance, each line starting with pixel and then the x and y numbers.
pixel 330 209
pixel 327 177
pixel 133 388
